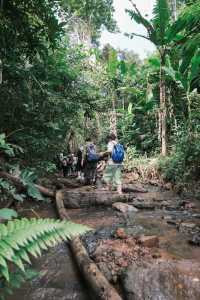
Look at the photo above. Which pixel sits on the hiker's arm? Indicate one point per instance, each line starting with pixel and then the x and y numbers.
pixel 83 155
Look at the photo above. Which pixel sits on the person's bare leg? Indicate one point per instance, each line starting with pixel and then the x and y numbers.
pixel 119 189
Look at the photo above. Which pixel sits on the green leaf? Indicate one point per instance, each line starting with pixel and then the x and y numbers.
pixel 161 18
pixel 7 213
pixel 34 192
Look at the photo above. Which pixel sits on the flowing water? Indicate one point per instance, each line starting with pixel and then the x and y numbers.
pixel 59 277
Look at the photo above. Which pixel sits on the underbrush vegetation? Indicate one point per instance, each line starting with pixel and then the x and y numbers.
pixel 183 165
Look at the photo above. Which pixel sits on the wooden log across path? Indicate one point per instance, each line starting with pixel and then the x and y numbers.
pixel 99 285
pixel 83 199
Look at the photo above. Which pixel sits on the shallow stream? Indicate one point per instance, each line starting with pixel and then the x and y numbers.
pixel 59 277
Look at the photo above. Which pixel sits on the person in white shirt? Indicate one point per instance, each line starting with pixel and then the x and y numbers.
pixel 112 173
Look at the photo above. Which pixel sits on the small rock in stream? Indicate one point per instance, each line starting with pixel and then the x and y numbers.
pixel 195 240
pixel 120 233
pixel 149 241
pixel 196 216
pixel 124 208
pixel 186 227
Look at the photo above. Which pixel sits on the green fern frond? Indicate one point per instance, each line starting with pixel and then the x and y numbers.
pixel 20 238
pixel 16 280
pixel 161 19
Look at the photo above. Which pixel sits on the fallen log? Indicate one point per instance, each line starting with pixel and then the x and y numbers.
pixel 83 199
pixel 17 182
pixel 98 283
pixel 102 289
pixel 68 183
pixel 132 188
pixel 61 207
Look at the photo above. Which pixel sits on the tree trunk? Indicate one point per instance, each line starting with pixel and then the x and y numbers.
pixel 163 111
pixel 83 199
pixel 43 190
pixel 1 71
pixel 113 117
pixel 98 122
pixel 173 4
pixel 189 107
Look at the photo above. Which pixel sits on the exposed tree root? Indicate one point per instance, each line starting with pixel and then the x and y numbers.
pixel 17 182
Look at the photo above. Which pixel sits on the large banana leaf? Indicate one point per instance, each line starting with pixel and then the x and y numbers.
pixel 161 19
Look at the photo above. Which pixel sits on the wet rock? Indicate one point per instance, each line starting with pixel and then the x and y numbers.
pixel 190 205
pixel 124 208
pixel 149 241
pixel 186 227
pixel 186 204
pixel 134 188
pixel 91 239
pixel 173 280
pixel 154 182
pixel 168 186
pixel 113 256
pixel 167 218
pixel 195 240
pixel 197 216
pixel 143 205
pixel 120 233
pixel 174 222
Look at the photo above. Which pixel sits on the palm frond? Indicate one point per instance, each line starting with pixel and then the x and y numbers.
pixel 188 21
pixel 189 49
pixel 139 19
pixel 161 19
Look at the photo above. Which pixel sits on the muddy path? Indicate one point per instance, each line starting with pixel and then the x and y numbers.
pixel 118 244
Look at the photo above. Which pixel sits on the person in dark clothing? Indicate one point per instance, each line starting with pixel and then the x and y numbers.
pixel 79 166
pixel 90 162
pixel 65 167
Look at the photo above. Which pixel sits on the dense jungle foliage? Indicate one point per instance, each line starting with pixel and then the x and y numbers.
pixel 57 85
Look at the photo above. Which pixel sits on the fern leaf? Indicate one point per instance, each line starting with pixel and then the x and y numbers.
pixel 20 238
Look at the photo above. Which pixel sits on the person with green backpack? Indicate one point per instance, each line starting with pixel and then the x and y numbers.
pixel 112 174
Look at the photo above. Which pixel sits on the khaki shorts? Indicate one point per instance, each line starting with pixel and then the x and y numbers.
pixel 112 174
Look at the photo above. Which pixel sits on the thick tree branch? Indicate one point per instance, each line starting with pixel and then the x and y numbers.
pixel 140 35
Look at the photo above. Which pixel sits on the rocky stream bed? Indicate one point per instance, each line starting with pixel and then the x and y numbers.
pixel 148 248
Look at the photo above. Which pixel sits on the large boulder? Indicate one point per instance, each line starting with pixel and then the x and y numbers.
pixel 164 280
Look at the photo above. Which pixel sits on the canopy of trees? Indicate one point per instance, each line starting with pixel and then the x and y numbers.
pixel 52 89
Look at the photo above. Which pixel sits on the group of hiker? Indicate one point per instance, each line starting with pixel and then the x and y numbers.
pixel 87 163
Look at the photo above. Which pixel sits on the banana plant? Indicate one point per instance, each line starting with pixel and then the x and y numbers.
pixel 156 32
pixel 184 33
pixel 186 80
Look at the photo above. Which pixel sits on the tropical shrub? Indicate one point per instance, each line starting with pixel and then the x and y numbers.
pixel 183 165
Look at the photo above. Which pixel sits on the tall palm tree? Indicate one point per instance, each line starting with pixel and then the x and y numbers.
pixel 157 33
